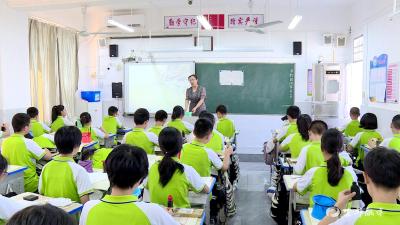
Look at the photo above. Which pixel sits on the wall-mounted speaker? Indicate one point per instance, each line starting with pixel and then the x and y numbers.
pixel 116 90
pixel 297 48
pixel 113 50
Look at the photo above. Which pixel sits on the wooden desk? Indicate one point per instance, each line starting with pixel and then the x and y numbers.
pixel 70 209
pixel 14 179
pixel 189 216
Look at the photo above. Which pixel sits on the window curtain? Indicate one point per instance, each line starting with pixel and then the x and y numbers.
pixel 53 58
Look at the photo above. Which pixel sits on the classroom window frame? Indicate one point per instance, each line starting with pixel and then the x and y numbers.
pixel 358 49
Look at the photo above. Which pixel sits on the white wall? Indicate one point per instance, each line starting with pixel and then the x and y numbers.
pixel 14 62
pixel 381 36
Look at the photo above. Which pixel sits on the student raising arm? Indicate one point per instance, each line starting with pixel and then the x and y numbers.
pixel 169 176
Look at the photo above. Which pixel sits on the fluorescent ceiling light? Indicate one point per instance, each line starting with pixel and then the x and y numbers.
pixel 120 25
pixel 296 20
pixel 204 22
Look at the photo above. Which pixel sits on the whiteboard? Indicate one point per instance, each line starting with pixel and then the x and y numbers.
pixel 155 86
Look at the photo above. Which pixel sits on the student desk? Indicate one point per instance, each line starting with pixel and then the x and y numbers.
pixel 289 181
pixel 109 142
pixel 86 146
pixel 189 216
pixel 14 179
pixel 306 217
pixel 121 132
pixel 70 209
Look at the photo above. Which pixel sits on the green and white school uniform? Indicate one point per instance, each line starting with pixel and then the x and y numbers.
pixel 294 143
pixel 202 159
pixel 363 138
pixel 316 182
pixel 8 207
pixel 45 141
pixel 111 124
pixel 99 156
pixel 310 156
pixel 63 178
pixel 352 128
pixel 287 130
pixel 226 127
pixel 94 133
pixel 38 128
pixel 178 187
pixel 377 213
pixel 124 210
pixel 393 142
pixel 141 138
pixel 216 142
pixel 60 122
pixel 21 151
pixel 156 130
pixel 183 126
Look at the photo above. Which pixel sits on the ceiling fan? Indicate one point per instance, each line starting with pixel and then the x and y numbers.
pixel 259 27
pixel 85 33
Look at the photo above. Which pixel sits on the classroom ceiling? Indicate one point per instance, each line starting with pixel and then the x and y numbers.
pixel 144 4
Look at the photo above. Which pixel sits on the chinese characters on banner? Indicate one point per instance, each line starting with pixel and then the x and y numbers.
pixel 180 22
pixel 244 20
pixel 392 83
pixel 217 21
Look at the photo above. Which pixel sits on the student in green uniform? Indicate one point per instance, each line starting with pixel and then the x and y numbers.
pixel 202 159
pixel 160 118
pixel 62 177
pixel 41 215
pixel 352 128
pixel 37 128
pixel 176 121
pixel 295 142
pixel 111 123
pixel 8 206
pixel 330 177
pixel 311 155
pixel 4 131
pixel 217 141
pixel 126 167
pixel 169 176
pixel 292 113
pixel 59 118
pixel 138 136
pixel 393 142
pixel 369 123
pixel 382 177
pixel 21 151
pixel 224 125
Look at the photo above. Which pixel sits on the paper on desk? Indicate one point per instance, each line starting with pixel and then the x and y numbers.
pixel 97 177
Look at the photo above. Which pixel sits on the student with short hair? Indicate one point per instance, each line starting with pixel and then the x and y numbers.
pixel 111 123
pixel 353 127
pixel 224 125
pixel 126 167
pixel 59 118
pixel 295 142
pixel 382 177
pixel 42 215
pixel 198 156
pixel 138 136
pixel 37 128
pixel 330 177
pixel 176 121
pixel 311 155
pixel 8 206
pixel 217 141
pixel 393 142
pixel 171 177
pixel 369 123
pixel 21 151
pixel 160 118
pixel 62 177
pixel 292 114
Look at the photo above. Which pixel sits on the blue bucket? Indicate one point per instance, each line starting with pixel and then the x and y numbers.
pixel 321 204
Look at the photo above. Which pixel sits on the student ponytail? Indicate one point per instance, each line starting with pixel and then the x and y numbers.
pixel 332 143
pixel 170 141
pixel 56 111
pixel 177 112
pixel 303 124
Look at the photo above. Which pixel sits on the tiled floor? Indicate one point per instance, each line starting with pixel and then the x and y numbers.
pixel 252 202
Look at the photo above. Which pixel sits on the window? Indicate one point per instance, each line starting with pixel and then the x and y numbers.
pixel 358 49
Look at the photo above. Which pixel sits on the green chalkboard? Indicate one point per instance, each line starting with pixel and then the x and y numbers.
pixel 267 89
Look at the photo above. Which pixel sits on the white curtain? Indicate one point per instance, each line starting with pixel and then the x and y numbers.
pixel 53 67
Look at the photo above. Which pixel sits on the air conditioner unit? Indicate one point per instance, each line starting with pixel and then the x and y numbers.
pixel 135 21
pixel 340 40
pixel 328 39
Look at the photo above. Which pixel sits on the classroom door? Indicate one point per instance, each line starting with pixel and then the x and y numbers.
pixel 354 85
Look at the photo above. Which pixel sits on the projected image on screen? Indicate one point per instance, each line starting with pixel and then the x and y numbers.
pixel 156 86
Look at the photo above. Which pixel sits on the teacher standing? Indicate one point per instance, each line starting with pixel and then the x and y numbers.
pixel 195 96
